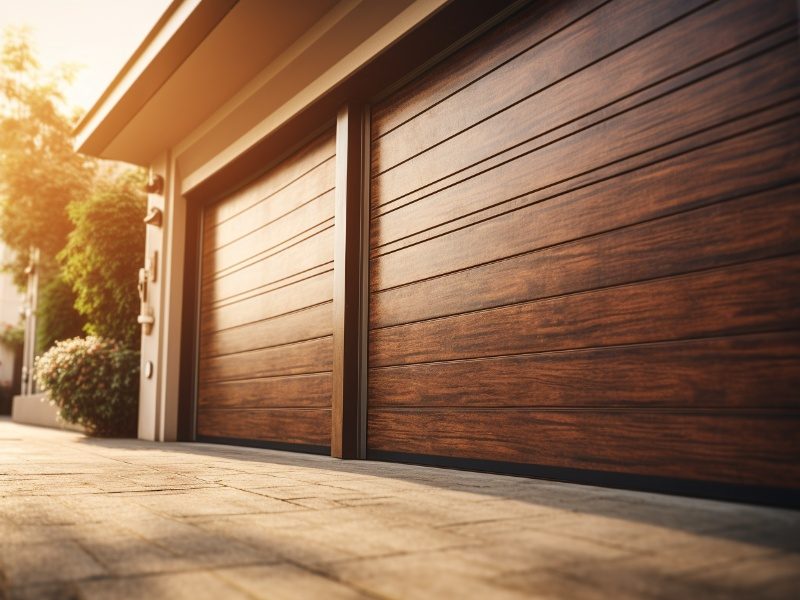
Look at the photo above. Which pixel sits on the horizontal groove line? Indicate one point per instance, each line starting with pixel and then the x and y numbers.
pixel 287 344
pixel 493 69
pixel 610 177
pixel 376 258
pixel 217 304
pixel 202 382
pixel 765 109
pixel 207 252
pixel 249 350
pixel 581 130
pixel 272 318
pixel 267 257
pixel 710 410
pixel 635 283
pixel 268 284
pixel 271 377
pixel 750 334
pixel 263 408
pixel 266 252
pixel 557 82
pixel 722 201
pixel 267 197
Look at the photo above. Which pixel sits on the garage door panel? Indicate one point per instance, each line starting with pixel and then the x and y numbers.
pixel 304 255
pixel 305 324
pixel 696 240
pixel 257 260
pixel 307 160
pixel 755 371
pixel 734 162
pixel 555 69
pixel 312 356
pixel 273 302
pixel 299 427
pixel 588 258
pixel 501 45
pixel 265 341
pixel 739 90
pixel 289 228
pixel 296 195
pixel 731 448
pixel 753 297
pixel 303 391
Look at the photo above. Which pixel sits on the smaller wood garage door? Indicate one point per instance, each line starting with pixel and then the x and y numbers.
pixel 585 247
pixel 265 313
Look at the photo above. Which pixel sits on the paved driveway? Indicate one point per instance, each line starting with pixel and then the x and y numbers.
pixel 128 519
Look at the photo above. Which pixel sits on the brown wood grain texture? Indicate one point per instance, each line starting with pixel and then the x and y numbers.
pixel 748 298
pixel 772 133
pixel 584 247
pixel 278 300
pixel 757 371
pixel 298 426
pixel 428 210
pixel 709 102
pixel 756 84
pixel 295 167
pixel 755 449
pixel 266 319
pixel 303 255
pixel 305 324
pixel 258 258
pixel 293 197
pixel 302 391
pixel 560 68
pixel 349 286
pixel 312 356
pixel 492 50
pixel 598 171
pixel 698 239
pixel 383 275
pixel 282 232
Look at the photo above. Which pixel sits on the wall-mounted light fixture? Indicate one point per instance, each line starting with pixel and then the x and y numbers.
pixel 155 185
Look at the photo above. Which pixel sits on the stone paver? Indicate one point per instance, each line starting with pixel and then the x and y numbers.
pixel 85 518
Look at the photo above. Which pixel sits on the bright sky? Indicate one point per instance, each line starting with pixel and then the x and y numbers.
pixel 98 35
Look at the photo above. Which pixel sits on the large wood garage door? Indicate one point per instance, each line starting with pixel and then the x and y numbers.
pixel 265 315
pixel 584 247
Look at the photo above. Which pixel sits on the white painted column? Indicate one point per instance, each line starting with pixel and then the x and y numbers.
pixel 174 250
pixel 149 391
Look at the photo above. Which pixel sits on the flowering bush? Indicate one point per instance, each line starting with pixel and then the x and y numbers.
pixel 94 382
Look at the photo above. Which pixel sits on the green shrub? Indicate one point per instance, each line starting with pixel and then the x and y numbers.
pixel 57 317
pixel 94 382
pixel 102 257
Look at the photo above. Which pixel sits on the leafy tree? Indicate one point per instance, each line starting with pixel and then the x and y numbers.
pixel 57 317
pixel 40 173
pixel 103 255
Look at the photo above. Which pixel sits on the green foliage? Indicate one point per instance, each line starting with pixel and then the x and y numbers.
pixel 57 317
pixel 94 382
pixel 40 173
pixel 12 336
pixel 103 255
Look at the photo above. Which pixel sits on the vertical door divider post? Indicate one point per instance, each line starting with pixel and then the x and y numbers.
pixel 349 283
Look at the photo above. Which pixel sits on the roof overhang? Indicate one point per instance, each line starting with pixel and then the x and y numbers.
pixel 206 57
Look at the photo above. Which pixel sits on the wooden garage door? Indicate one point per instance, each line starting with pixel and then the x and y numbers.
pixel 585 229
pixel 265 316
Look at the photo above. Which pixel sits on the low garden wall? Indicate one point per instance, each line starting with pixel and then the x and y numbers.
pixel 37 410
